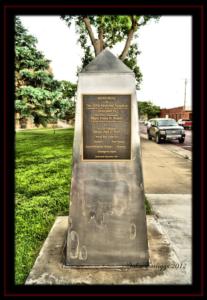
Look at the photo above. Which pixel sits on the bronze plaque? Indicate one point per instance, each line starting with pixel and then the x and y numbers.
pixel 106 127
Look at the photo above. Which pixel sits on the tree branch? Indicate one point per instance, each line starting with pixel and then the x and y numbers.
pixel 101 34
pixel 94 41
pixel 100 37
pixel 129 39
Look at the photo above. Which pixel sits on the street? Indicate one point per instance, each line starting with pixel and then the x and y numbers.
pixel 188 138
pixel 165 170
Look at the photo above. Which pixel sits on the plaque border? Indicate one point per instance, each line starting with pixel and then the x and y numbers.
pixel 104 160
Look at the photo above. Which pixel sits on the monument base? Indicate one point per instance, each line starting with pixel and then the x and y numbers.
pixel 49 268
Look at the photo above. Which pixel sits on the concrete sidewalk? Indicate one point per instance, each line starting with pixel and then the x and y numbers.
pixel 170 250
pixel 174 213
pixel 165 266
pixel 166 170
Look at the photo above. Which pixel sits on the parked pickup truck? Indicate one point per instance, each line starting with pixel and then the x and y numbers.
pixel 164 130
pixel 186 123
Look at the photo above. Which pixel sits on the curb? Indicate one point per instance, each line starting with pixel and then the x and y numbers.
pixel 175 149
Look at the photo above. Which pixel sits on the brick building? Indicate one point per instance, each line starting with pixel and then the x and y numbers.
pixel 176 113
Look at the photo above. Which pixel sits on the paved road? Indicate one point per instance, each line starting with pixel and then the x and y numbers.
pixel 165 170
pixel 188 140
pixel 186 145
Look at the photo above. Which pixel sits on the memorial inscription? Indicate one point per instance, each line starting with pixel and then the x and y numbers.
pixel 106 127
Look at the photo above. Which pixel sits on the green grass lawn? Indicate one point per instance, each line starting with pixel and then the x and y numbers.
pixel 42 185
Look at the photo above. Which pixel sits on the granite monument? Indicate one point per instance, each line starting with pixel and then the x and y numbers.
pixel 107 219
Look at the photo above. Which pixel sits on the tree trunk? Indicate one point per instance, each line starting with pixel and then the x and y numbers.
pixel 100 36
pixel 97 47
pixel 127 45
pixel 98 44
pixel 94 41
pixel 129 39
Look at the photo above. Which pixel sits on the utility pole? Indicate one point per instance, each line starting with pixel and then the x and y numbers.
pixel 185 94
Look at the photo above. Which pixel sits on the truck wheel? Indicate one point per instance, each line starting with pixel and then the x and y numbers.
pixel 149 136
pixel 157 138
pixel 181 140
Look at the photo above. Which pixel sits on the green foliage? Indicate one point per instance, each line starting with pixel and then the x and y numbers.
pixel 42 182
pixel 131 62
pixel 115 27
pixel 148 108
pixel 67 89
pixel 110 30
pixel 64 107
pixel 70 111
pixel 38 94
pixel 32 78
pixel 26 54
pixel 40 78
pixel 86 59
pixel 35 102
pixel 148 207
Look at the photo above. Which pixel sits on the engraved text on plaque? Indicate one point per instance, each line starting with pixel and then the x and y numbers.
pixel 106 127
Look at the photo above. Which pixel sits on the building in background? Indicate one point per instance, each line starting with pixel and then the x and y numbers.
pixel 176 113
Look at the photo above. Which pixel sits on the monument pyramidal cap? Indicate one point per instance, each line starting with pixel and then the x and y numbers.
pixel 106 62
pixel 107 220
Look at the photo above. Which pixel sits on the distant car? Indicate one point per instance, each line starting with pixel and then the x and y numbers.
pixel 186 123
pixel 165 129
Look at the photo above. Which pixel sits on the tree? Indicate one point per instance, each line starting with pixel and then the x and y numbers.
pixel 38 94
pixel 27 57
pixel 148 108
pixel 63 105
pixel 107 30
pixel 68 91
pixel 32 78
